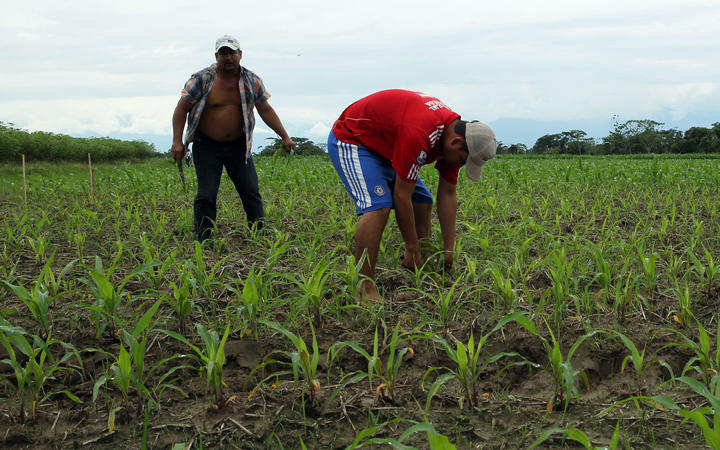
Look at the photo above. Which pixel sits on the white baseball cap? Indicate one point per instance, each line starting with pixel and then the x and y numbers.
pixel 482 146
pixel 227 41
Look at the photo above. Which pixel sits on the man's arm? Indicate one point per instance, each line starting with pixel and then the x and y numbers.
pixel 447 214
pixel 271 119
pixel 405 216
pixel 178 124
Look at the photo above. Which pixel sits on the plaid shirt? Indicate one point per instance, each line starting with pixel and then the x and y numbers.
pixel 198 87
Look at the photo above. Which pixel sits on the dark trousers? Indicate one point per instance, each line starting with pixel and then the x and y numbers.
pixel 209 157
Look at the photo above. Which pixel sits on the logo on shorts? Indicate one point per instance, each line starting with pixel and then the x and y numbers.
pixel 379 191
pixel 422 157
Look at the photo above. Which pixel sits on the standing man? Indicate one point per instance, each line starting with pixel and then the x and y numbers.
pixel 219 102
pixel 377 147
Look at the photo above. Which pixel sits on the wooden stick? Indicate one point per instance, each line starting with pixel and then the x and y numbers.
pixel 24 181
pixel 92 180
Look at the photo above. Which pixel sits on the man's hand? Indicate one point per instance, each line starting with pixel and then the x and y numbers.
pixel 289 145
pixel 178 151
pixel 411 259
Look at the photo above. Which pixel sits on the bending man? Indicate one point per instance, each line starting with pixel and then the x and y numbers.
pixel 377 147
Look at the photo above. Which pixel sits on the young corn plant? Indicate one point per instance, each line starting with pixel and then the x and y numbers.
pixel 708 273
pixel 57 285
pixel 128 371
pixel 374 367
pixel 313 286
pixel 706 360
pixel 210 359
pixel 249 302
pixel 108 297
pixel 36 367
pixel 468 365
pixel 37 300
pixel 649 264
pixel 276 249
pixel 386 372
pixel 447 304
pixel 373 436
pixel 180 300
pixel 351 277
pixel 684 311
pixel 203 279
pixel 303 365
pixel 637 357
pixel 711 432
pixel 561 274
pixel 504 289
pixel 604 274
pixel 559 365
pixel 579 436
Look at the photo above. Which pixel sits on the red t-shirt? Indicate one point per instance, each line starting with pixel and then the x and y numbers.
pixel 401 126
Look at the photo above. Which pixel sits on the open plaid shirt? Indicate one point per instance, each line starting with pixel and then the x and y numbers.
pixel 198 87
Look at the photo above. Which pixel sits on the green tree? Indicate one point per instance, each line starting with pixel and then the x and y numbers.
pixel 549 143
pixel 633 136
pixel 304 147
pixel 699 140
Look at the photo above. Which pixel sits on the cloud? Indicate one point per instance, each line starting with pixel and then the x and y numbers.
pixel 134 115
pixel 109 67
pixel 319 129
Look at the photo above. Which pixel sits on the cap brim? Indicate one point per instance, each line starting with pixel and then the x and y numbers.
pixel 473 170
pixel 228 46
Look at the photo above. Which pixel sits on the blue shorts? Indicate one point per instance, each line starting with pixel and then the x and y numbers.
pixel 368 177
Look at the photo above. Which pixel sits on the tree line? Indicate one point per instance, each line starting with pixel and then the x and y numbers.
pixel 303 147
pixel 42 145
pixel 631 137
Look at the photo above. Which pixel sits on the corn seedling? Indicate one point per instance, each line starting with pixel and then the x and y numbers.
pixel 707 273
pixel 210 358
pixel 203 281
pixel 468 366
pixel 128 370
pixel 649 263
pixel 392 364
pixel 181 301
pixel 108 298
pixel 559 365
pixel 249 302
pixel 705 362
pixel 37 300
pixel 374 368
pixel 636 357
pixel 313 286
pixel 684 312
pixel 579 436
pixel 369 437
pixel 303 365
pixel 38 366
pixel 503 283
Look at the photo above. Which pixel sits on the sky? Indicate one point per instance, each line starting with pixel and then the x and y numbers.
pixel 527 68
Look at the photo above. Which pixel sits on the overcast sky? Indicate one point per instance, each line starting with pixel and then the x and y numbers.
pixel 116 68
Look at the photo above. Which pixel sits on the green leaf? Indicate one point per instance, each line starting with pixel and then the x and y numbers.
pixel 439 442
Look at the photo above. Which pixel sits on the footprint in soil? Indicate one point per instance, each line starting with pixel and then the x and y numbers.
pixel 244 352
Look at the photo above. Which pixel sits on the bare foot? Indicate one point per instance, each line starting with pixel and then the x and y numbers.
pixel 369 293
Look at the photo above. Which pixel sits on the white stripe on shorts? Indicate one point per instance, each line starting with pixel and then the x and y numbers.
pixel 350 164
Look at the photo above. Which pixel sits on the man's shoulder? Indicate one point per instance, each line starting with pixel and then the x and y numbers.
pixel 249 74
pixel 208 71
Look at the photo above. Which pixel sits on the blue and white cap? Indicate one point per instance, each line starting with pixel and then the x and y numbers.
pixel 227 41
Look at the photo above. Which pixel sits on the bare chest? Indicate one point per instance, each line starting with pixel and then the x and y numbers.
pixel 224 93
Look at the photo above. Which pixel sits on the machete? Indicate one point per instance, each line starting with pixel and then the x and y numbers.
pixel 186 158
